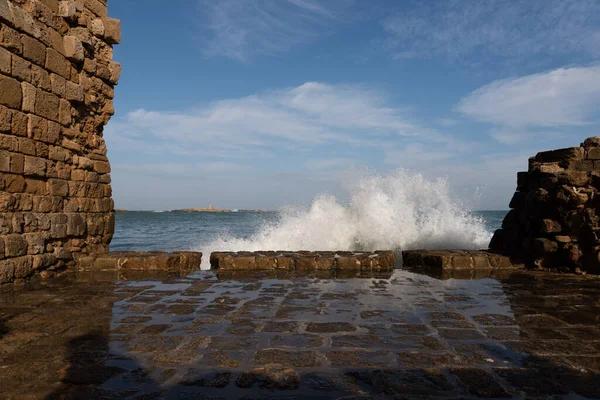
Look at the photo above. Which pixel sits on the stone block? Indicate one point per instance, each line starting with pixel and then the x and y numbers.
pixel 10 39
pixel 10 92
pixel 17 163
pixel 23 266
pixel 112 30
pixel 59 85
pixel 57 41
pixel 115 72
pixel 560 155
pixel 15 246
pixel 76 225
pixel 14 183
pixel 40 78
pixel 101 167
pixel 46 105
pixel 66 9
pixel 35 166
pixel 21 69
pixel 29 93
pixel 593 141
pixel 97 7
pixel 58 187
pixel 5 119
pixel 5 12
pixel 74 49
pixel 549 226
pixel 74 92
pixel 4 161
pixel 97 27
pixel 593 153
pixel 55 62
pixel 5 61
pixel 34 50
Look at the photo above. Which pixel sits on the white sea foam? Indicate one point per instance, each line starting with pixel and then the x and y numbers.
pixel 400 211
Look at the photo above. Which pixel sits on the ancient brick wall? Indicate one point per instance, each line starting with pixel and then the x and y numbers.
pixel 554 222
pixel 57 82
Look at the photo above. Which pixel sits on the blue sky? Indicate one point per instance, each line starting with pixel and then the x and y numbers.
pixel 261 103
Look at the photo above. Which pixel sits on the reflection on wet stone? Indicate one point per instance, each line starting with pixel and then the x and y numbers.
pixel 200 336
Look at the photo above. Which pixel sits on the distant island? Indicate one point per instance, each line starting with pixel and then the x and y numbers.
pixel 210 208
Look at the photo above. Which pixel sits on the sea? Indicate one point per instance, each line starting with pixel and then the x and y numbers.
pixel 400 211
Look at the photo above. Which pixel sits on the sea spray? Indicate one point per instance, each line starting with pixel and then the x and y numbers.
pixel 400 211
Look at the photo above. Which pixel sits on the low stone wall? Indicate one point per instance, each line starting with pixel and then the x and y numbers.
pixel 140 261
pixel 453 260
pixel 554 222
pixel 304 261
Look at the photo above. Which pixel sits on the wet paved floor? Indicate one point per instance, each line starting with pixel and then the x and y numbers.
pixel 402 335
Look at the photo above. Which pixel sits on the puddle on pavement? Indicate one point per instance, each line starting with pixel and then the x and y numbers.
pixel 231 336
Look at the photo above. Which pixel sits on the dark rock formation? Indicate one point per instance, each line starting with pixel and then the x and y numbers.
pixel 554 221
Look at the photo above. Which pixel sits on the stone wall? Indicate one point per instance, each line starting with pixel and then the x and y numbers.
pixel 303 261
pixel 57 82
pixel 554 221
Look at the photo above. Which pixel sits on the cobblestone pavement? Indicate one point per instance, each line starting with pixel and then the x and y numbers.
pixel 400 335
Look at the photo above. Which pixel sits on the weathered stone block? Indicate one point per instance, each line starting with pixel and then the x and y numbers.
pixel 56 63
pixel 76 225
pixel 5 61
pixel 15 246
pixel 21 68
pixel 66 9
pixel 46 105
pixel 34 50
pixel 5 12
pixel 572 153
pixel 74 49
pixel 10 92
pixel 74 92
pixel 593 153
pixel 549 226
pixel 112 30
pixel 4 161
pixel 35 166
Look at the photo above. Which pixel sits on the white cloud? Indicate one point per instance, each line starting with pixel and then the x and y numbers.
pixel 239 29
pixel 313 114
pixel 511 29
pixel 559 98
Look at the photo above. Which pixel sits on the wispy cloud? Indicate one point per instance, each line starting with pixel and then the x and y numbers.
pixel 418 156
pixel 240 29
pixel 313 114
pixel 559 98
pixel 479 30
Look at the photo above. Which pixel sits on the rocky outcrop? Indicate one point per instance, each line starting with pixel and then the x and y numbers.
pixel 554 221
pixel 303 261
pixel 57 81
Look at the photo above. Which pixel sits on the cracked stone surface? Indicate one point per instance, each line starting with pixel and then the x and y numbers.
pixel 401 334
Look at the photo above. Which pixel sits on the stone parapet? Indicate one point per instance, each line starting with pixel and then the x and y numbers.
pixel 141 261
pixel 304 261
pixel 554 221
pixel 57 78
